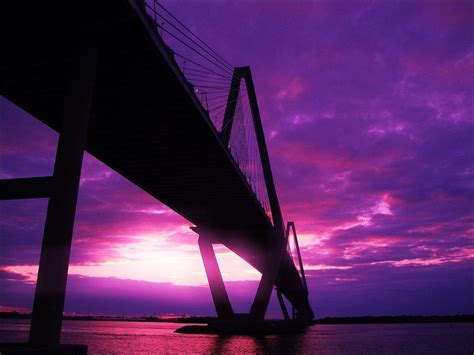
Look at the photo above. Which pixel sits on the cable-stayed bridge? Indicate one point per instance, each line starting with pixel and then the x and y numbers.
pixel 135 87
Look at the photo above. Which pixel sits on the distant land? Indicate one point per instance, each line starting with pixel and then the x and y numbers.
pixel 459 318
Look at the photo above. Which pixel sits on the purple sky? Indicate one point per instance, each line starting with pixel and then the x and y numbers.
pixel 368 113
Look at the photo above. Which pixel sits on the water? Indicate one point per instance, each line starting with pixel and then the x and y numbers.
pixel 141 337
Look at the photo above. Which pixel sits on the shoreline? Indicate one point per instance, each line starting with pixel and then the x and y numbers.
pixel 461 318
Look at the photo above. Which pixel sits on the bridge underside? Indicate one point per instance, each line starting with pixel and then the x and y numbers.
pixel 143 122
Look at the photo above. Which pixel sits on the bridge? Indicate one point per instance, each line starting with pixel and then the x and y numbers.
pixel 129 83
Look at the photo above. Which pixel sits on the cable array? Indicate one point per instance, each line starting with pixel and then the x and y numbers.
pixel 208 72
pixel 244 148
pixel 210 76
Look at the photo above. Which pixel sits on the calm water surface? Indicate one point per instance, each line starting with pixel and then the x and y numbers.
pixel 141 337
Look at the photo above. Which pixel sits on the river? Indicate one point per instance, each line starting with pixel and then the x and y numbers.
pixel 103 337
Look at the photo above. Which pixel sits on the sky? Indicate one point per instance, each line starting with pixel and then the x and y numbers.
pixel 367 108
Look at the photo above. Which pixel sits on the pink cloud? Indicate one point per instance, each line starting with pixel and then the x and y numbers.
pixel 291 88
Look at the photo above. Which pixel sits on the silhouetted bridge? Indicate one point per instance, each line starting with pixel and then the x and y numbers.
pixel 183 126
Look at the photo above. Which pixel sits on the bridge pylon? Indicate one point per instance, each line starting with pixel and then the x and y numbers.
pixel 214 277
pixel 278 238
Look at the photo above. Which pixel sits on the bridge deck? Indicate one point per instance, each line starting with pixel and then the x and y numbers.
pixel 144 123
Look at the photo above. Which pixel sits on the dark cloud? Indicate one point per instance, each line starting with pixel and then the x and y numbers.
pixel 114 296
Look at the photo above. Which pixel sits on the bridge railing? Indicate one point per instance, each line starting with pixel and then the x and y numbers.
pixel 208 72
pixel 210 76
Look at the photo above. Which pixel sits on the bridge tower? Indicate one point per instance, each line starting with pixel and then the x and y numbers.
pixel 280 236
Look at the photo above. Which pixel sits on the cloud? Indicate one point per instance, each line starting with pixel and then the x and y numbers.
pixel 118 296
pixel 369 109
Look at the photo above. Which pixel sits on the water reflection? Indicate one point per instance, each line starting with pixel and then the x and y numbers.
pixel 284 344
pixel 141 337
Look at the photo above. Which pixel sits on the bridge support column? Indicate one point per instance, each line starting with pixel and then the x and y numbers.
pixel 286 316
pixel 265 287
pixel 25 188
pixel 50 292
pixel 214 277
